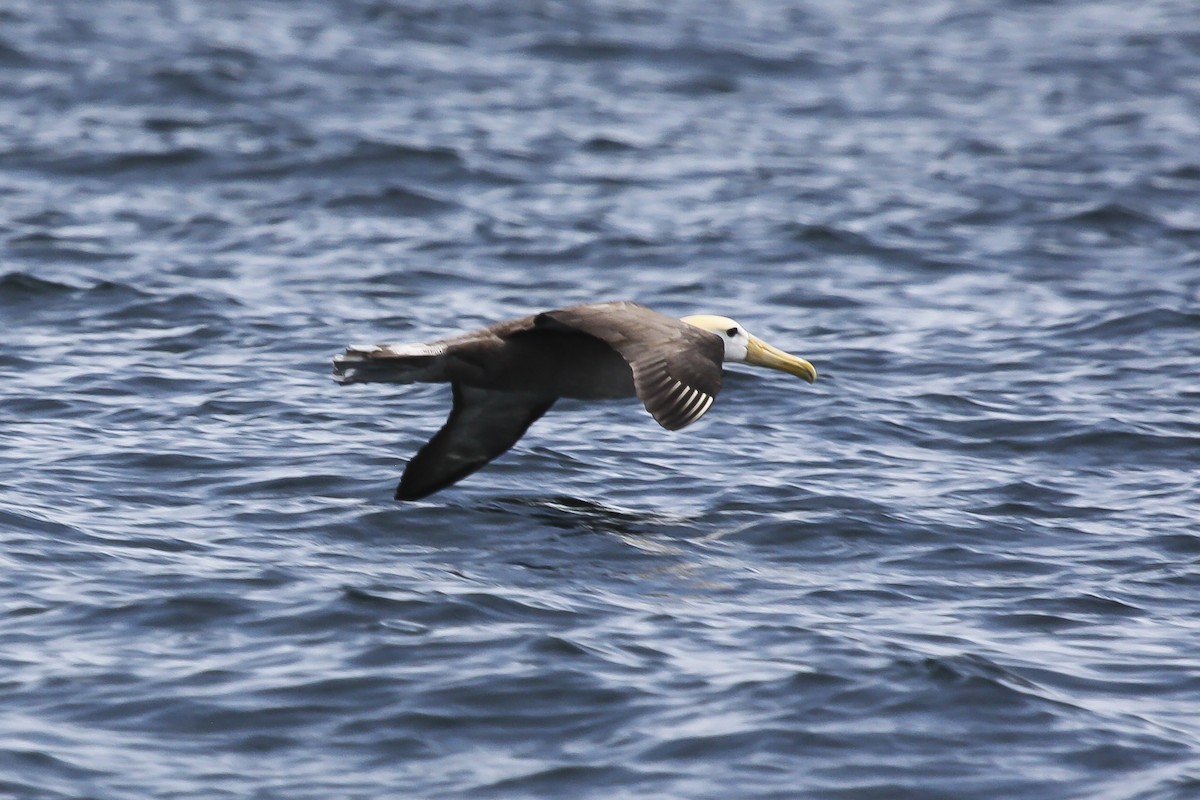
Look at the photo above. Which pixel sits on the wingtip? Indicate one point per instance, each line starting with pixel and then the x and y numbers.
pixel 405 491
pixel 343 370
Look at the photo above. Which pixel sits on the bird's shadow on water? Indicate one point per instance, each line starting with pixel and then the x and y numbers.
pixel 654 532
pixel 581 515
pixel 660 553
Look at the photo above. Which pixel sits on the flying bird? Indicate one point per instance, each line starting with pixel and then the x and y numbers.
pixel 507 375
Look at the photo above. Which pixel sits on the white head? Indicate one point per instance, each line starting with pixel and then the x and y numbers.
pixel 741 345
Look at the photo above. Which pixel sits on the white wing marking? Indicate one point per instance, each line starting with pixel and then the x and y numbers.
pixel 693 402
pixel 699 412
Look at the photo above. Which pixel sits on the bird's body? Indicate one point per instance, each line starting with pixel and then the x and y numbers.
pixel 507 375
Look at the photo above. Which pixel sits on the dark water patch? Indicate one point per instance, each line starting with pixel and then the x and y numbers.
pixel 12 57
pixel 481 606
pixel 349 692
pixel 1030 500
pixel 175 123
pixel 301 484
pixel 375 600
pixel 418 614
pixel 175 309
pixel 233 407
pixel 179 612
pixel 542 711
pixel 391 200
pixel 177 467
pixel 970 673
pixel 157 166
pixel 1033 622
pixel 162 544
pixel 51 247
pixel 1065 439
pixel 1139 322
pixel 725 61
pixel 607 144
pixel 218 76
pixel 52 777
pixel 826 239
pixel 1084 605
pixel 557 647
pixel 200 228
pixel 705 84
pixel 1180 543
pixel 35 523
pixel 191 339
pixel 805 297
pixel 1112 217
pixel 579 515
pixel 1185 172
pixel 18 286
pixel 36 405
pixel 815 516
pixel 741 744
pixel 977 560
pixel 21 612
pixel 179 715
pixel 562 780
pixel 1116 445
pixel 433 165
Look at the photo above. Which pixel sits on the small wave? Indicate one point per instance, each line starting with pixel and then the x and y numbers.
pixel 368 157
pixel 1150 320
pixel 1028 499
pixel 561 781
pixel 707 83
pixel 807 298
pixel 1033 621
pixel 828 237
pixel 18 288
pixel 179 611
pixel 31 522
pixel 218 74
pixel 1178 543
pixel 1185 172
pixel 967 670
pixel 369 151
pixel 1109 443
pixel 607 144
pixel 173 124
pixel 1088 605
pixel 392 200
pixel 20 285
pixel 11 56
pixel 1110 216
pixel 176 309
pixel 49 246
pixel 722 61
pixel 110 164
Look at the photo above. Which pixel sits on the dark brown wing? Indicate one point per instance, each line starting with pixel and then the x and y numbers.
pixel 676 366
pixel 482 425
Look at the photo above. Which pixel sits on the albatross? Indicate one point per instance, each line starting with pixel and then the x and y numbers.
pixel 507 375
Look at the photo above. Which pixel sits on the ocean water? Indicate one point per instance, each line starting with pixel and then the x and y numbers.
pixel 964 564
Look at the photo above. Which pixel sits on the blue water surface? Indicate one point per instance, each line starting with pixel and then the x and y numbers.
pixel 964 564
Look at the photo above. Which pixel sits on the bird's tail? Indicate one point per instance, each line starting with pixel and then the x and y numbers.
pixel 387 363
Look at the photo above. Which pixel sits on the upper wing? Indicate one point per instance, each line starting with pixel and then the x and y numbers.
pixel 482 425
pixel 676 366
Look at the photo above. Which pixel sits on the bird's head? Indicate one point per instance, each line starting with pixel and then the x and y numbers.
pixel 740 345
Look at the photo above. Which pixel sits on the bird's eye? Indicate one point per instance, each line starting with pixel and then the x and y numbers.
pixel 731 332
